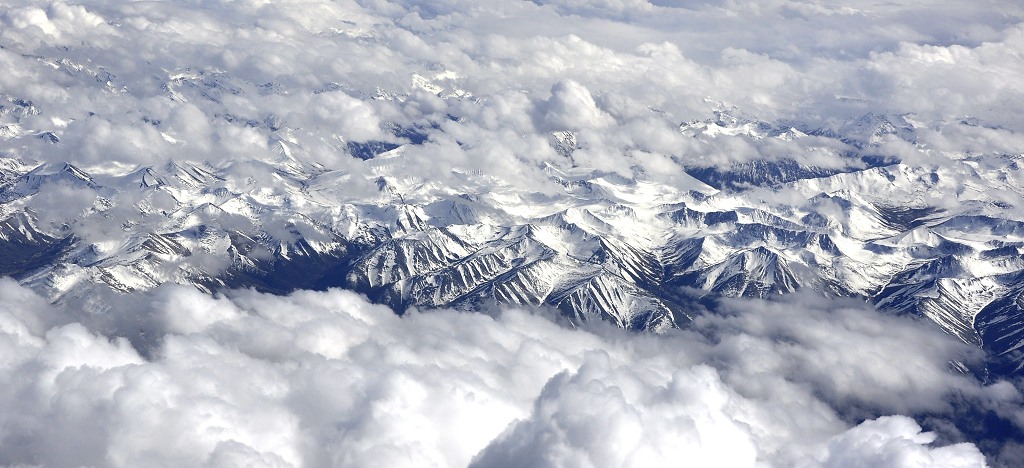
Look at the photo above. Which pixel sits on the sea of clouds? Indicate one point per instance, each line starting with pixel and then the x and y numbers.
pixel 174 377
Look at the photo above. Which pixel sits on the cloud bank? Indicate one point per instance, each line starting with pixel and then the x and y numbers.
pixel 143 83
pixel 177 377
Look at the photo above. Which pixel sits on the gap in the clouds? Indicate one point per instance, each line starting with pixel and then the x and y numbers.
pixel 761 173
pixel 996 435
pixel 414 134
pixel 967 420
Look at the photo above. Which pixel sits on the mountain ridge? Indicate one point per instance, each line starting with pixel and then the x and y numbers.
pixel 632 252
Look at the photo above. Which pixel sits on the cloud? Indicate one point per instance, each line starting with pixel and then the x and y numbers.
pixel 176 376
pixel 621 9
pixel 842 350
pixel 571 107
pixel 229 80
pixel 896 441
pixel 354 119
pixel 610 415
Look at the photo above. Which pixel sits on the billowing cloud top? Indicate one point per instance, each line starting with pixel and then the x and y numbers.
pixel 328 379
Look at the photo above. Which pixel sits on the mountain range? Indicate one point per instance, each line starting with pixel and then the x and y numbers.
pixel 941 239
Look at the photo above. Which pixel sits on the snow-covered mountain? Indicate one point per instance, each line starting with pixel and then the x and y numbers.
pixel 940 239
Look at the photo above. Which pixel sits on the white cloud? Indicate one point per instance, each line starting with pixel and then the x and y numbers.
pixel 896 441
pixel 126 75
pixel 325 378
pixel 352 118
pixel 611 415
pixel 23 18
pixel 571 107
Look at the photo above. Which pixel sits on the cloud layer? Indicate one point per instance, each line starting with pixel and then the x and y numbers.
pixel 178 377
pixel 142 83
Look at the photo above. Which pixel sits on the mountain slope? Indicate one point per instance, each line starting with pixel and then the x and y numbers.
pixel 939 240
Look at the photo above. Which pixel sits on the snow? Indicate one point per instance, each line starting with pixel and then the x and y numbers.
pixel 599 244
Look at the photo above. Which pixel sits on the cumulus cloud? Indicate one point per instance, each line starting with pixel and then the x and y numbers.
pixel 571 107
pixel 896 441
pixel 610 415
pixel 177 376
